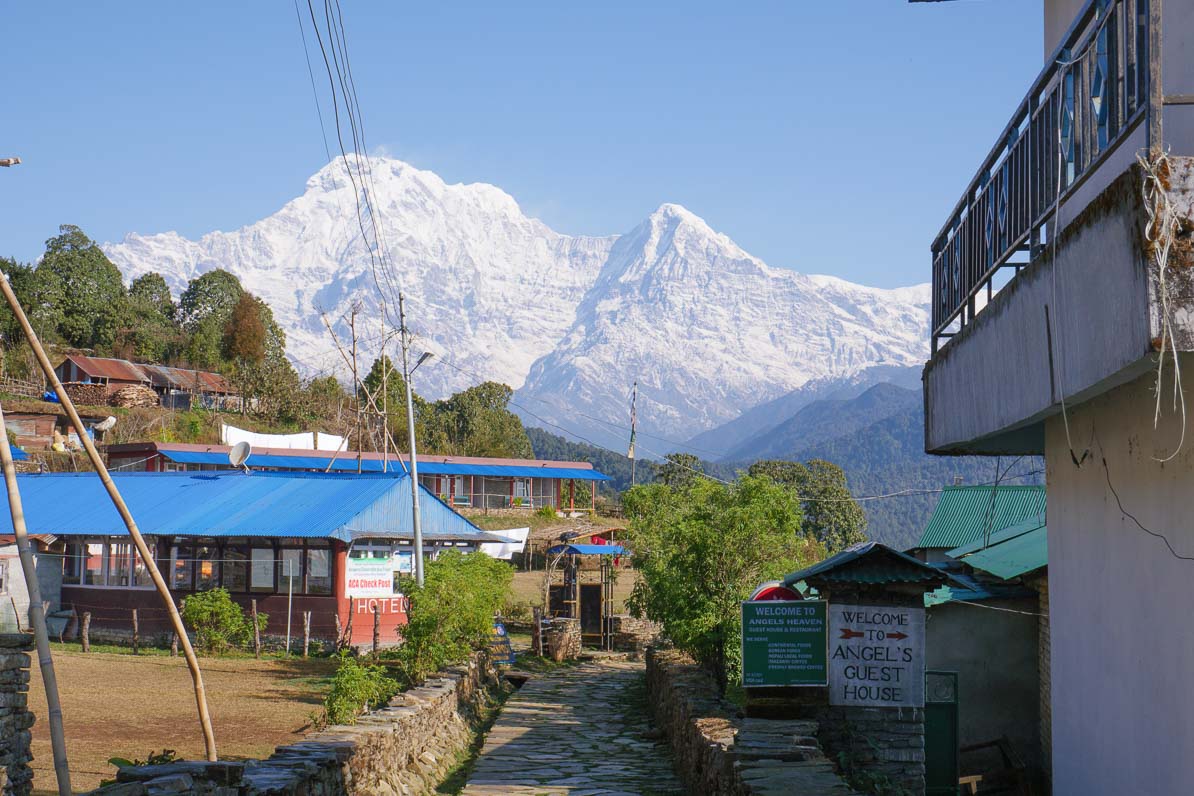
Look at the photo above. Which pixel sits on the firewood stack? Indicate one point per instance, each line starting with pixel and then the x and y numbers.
pixel 134 395
pixel 87 394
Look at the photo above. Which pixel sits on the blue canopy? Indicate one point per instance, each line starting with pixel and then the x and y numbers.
pixel 347 462
pixel 589 550
pixel 231 503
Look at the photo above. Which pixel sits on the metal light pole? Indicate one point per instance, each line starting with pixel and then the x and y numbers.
pixel 410 431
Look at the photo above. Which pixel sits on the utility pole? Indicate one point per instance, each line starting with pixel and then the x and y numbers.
pixel 410 431
pixel 633 425
pixel 356 381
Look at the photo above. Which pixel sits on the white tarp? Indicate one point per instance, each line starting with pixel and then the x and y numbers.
pixel 504 550
pixel 317 441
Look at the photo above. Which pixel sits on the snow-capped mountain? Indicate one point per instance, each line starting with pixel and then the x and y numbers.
pixel 705 328
pixel 487 287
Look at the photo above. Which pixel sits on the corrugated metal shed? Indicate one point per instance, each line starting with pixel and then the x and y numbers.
pixel 107 368
pixel 869 563
pixel 200 381
pixel 341 507
pixel 347 462
pixel 1011 552
pixel 961 516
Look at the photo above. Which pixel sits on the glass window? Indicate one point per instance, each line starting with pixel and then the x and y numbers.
pixel 319 570
pixel 236 565
pixel 290 571
pixel 93 564
pixel 72 564
pixel 261 570
pixel 207 566
pixel 181 569
pixel 140 571
pixel 120 556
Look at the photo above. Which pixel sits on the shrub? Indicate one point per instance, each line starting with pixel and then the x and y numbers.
pixel 546 512
pixel 218 622
pixel 451 614
pixel 356 687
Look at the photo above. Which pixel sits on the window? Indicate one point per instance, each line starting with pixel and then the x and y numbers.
pixel 207 565
pixel 261 569
pixel 290 570
pixel 319 569
pixel 181 566
pixel 105 561
pixel 236 565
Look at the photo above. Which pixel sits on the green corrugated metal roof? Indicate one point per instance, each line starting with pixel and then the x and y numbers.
pixel 1012 551
pixel 961 515
pixel 869 563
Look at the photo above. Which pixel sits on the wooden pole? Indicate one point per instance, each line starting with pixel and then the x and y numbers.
pixel 85 632
pixel 376 629
pixel 136 633
pixel 209 738
pixel 173 645
pixel 306 632
pixel 348 632
pixel 37 611
pixel 339 632
pixel 256 629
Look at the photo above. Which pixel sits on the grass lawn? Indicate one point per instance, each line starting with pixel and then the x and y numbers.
pixel 115 704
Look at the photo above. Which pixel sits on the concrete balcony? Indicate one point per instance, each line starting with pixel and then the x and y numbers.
pixel 1043 287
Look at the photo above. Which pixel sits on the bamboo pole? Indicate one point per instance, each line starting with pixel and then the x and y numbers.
pixel 209 738
pixel 37 614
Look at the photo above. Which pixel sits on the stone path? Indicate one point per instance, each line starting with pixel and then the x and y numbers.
pixel 578 731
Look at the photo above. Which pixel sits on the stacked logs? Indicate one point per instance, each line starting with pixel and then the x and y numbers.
pixel 87 394
pixel 134 395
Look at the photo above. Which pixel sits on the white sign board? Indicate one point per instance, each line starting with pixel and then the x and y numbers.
pixel 876 655
pixel 369 577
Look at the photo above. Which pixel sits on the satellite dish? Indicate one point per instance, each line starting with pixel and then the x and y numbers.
pixel 240 454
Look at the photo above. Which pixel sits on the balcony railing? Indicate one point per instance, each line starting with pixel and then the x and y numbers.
pixel 1092 93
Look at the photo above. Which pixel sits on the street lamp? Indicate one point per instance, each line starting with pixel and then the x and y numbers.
pixel 9 161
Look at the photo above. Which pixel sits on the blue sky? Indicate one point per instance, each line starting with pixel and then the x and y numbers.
pixel 830 137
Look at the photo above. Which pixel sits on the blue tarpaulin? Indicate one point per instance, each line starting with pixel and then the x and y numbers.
pixel 589 550
pixel 313 505
pixel 347 462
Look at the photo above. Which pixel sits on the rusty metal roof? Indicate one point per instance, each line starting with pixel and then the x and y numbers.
pixel 187 380
pixel 105 368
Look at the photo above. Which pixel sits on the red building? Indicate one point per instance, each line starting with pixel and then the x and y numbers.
pixel 338 546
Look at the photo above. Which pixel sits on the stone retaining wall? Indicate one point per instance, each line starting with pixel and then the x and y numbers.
pixel 405 748
pixel 16 777
pixel 632 635
pixel 719 754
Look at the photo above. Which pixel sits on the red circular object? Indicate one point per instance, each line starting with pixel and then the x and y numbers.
pixel 775 593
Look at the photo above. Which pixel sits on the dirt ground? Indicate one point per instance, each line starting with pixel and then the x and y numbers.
pixel 120 705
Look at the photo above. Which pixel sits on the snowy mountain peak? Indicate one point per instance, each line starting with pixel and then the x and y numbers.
pixel 707 329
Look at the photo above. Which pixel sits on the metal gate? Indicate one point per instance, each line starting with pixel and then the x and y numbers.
pixel 941 733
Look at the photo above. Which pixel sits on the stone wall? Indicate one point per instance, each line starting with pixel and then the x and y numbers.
pixel 632 635
pixel 16 777
pixel 719 754
pixel 561 638
pixel 887 742
pixel 404 748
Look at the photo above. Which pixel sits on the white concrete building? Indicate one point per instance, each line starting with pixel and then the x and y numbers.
pixel 1055 302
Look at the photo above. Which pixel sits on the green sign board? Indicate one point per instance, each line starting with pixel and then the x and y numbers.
pixel 784 643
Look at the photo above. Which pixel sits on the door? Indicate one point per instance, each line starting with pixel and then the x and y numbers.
pixel 941 733
pixel 590 612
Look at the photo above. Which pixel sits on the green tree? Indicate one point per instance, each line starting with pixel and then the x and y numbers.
pixel 478 422
pixel 204 309
pixel 244 332
pixel 148 331
pixel 90 291
pixel 830 512
pixel 152 291
pixel 702 548
pixel 679 470
pixel 451 614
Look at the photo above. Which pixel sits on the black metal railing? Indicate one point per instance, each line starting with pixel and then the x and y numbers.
pixel 1093 91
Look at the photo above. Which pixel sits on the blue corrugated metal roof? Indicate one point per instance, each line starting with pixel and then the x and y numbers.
pixel 965 513
pixel 588 549
pixel 347 462
pixel 235 504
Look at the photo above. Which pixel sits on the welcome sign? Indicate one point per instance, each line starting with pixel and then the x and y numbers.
pixel 877 655
pixel 783 643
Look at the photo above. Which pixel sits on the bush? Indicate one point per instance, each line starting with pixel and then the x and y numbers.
pixel 452 613
pixel 218 622
pixel 546 512
pixel 357 687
